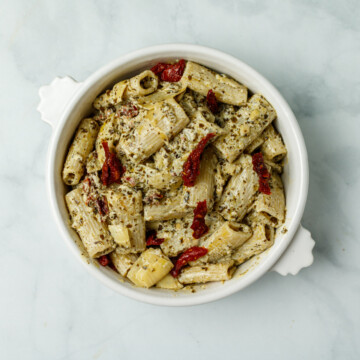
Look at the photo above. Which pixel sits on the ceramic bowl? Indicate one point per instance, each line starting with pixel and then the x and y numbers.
pixel 65 102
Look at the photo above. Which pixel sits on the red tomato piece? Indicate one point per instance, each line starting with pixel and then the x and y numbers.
pixel 104 260
pixel 159 68
pixel 174 72
pixel 152 240
pixel 170 72
pixel 188 255
pixel 191 167
pixel 212 102
pixel 199 226
pixel 112 170
pixel 263 173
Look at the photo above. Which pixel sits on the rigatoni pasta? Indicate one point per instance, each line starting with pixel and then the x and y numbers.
pixel 175 177
pixel 149 268
pixel 201 80
pixel 94 234
pixel 261 240
pixel 239 192
pixel 246 125
pixel 272 147
pixel 206 273
pixel 80 148
pixel 123 262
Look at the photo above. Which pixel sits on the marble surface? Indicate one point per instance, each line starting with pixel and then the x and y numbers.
pixel 49 306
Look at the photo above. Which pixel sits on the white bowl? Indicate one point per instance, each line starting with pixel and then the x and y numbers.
pixel 65 102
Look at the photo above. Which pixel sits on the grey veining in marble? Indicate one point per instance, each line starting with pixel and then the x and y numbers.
pixel 49 306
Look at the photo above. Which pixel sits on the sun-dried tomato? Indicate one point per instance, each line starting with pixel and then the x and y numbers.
pixel 263 173
pixel 174 72
pixel 102 205
pixel 191 167
pixel 112 170
pixel 128 110
pixel 159 68
pixel 170 72
pixel 104 260
pixel 188 255
pixel 212 102
pixel 152 240
pixel 198 225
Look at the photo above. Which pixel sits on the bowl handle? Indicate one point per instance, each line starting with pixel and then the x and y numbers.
pixel 54 97
pixel 298 255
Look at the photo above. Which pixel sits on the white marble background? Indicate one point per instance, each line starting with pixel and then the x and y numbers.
pixel 49 306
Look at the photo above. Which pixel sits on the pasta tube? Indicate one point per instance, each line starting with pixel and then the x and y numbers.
pixel 123 199
pixel 272 205
pixel 111 97
pixel 164 180
pixel 261 240
pixel 255 144
pixel 80 148
pixel 142 84
pixel 123 262
pixel 94 234
pixel 273 147
pixel 177 236
pixel 160 124
pixel 149 268
pixel 240 192
pixel 245 127
pixel 201 79
pixel 169 210
pixel 125 205
pixel 206 273
pixel 142 142
pixel 170 283
pixel 169 117
pixel 168 90
pixel 188 103
pixel 121 235
pixel 225 240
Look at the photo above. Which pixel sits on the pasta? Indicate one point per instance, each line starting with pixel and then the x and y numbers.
pixel 94 234
pixel 227 238
pixel 79 150
pixel 174 180
pixel 142 84
pixel 149 268
pixel 128 225
pixel 246 125
pixel 170 283
pixel 170 208
pixel 240 192
pixel 201 80
pixel 123 262
pixel 273 147
pixel 111 97
pixel 272 205
pixel 261 240
pixel 206 273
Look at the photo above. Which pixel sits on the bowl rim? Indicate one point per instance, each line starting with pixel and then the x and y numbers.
pixel 201 297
